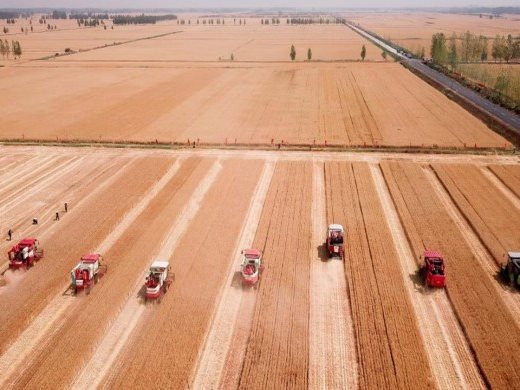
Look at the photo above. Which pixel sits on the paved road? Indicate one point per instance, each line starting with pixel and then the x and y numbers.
pixel 485 105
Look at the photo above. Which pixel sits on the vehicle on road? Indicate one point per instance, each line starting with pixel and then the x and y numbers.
pixel 511 270
pixel 87 272
pixel 335 240
pixel 433 269
pixel 24 254
pixel 251 266
pixel 158 280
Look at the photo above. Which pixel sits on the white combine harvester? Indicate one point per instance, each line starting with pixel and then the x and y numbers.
pixel 158 280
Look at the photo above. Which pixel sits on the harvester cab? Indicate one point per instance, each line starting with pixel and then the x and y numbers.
pixel 434 269
pixel 251 266
pixel 158 280
pixel 87 272
pixel 511 270
pixel 24 254
pixel 335 240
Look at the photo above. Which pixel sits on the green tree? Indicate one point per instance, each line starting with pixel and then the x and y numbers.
pixel 232 57
pixel 502 82
pixel 383 54
pixel 509 47
pixel 452 52
pixel 423 52
pixel 363 53
pixel 7 48
pixel 483 48
pixel 438 50
pixel 2 49
pixel 293 53
pixel 17 49
pixel 309 54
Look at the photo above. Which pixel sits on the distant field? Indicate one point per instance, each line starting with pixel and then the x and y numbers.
pixel 343 104
pixel 414 30
pixel 250 42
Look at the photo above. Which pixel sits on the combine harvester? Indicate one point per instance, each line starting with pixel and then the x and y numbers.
pixel 24 254
pixel 251 266
pixel 511 270
pixel 335 240
pixel 87 272
pixel 158 280
pixel 433 269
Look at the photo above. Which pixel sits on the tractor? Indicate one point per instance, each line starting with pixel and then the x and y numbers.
pixel 251 266
pixel 335 239
pixel 433 269
pixel 511 270
pixel 24 254
pixel 158 280
pixel 87 272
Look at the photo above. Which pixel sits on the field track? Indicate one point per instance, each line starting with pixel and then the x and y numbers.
pixel 429 226
pixel 312 322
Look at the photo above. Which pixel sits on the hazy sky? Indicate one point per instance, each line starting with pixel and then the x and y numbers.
pixel 252 3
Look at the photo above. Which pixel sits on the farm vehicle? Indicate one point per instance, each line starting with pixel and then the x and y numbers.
pixel 433 269
pixel 251 266
pixel 24 254
pixel 335 240
pixel 158 280
pixel 87 272
pixel 511 270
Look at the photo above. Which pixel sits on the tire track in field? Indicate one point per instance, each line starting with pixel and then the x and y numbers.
pixel 44 324
pixel 332 346
pixel 510 195
pixel 109 349
pixel 43 232
pixel 447 348
pixel 217 346
pixel 27 174
pixel 477 248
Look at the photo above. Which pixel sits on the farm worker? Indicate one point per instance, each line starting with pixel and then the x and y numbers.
pixel 66 207
pixel 57 217
pixel 10 234
pixel 35 221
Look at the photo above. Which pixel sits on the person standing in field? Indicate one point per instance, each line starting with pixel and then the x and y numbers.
pixel 57 217
pixel 66 207
pixel 10 234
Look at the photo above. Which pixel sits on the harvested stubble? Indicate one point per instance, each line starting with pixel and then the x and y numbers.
pixel 200 264
pixel 509 175
pixel 489 326
pixel 390 349
pixel 489 212
pixel 126 259
pixel 70 241
pixel 277 353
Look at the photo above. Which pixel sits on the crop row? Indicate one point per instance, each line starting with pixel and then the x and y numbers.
pixel 489 326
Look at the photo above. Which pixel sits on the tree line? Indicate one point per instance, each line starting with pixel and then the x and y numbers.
pixel 472 48
pixel 6 49
pixel 141 19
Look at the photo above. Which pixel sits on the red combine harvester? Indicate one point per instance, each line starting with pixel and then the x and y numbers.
pixel 158 280
pixel 251 266
pixel 433 269
pixel 24 254
pixel 87 272
pixel 335 240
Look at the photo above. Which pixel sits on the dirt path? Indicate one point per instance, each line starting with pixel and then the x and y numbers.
pixel 218 344
pixel 94 372
pixel 484 257
pixel 30 340
pixel 332 346
pixel 448 351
